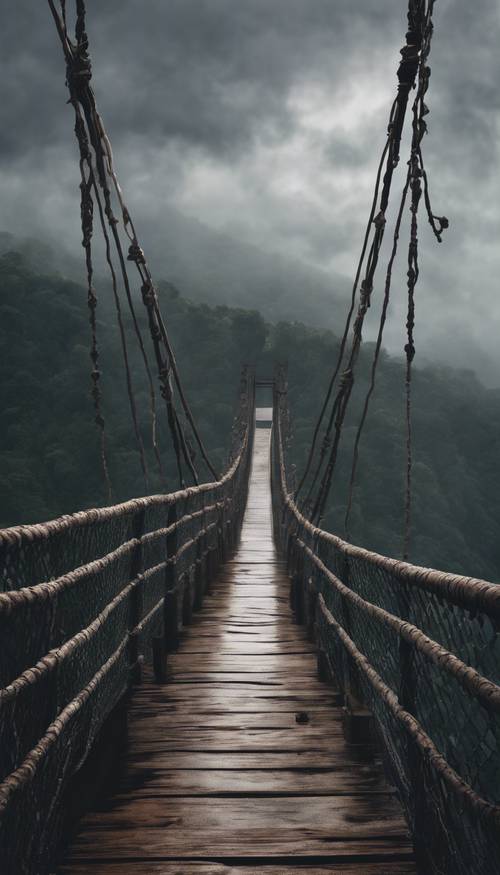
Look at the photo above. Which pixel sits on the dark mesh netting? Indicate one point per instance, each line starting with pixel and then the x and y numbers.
pixel 420 649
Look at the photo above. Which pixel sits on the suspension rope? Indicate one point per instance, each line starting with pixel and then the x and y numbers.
pixel 326 439
pixel 414 58
pixel 81 95
pixel 416 173
pixel 123 340
pixel 406 73
pixel 87 224
pixel 438 224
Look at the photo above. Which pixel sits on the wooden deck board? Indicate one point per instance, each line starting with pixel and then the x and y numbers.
pixel 220 778
pixel 193 868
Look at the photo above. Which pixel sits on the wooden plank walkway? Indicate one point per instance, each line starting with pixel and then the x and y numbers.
pixel 221 775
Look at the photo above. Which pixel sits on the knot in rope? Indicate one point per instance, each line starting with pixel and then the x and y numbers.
pixel 365 292
pixel 410 351
pixel 409 62
pixel 346 380
pixel 325 444
pixel 379 220
pixel 78 68
pixel 147 294
pixel 439 224
pixel 135 253
pixel 165 374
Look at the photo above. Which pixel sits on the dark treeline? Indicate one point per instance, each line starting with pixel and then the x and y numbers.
pixel 49 453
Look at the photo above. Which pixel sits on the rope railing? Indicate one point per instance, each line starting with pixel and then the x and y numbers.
pixel 419 651
pixel 89 598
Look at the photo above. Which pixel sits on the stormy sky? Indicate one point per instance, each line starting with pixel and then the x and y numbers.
pixel 264 120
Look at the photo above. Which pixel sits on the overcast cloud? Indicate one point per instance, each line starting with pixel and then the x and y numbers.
pixel 264 120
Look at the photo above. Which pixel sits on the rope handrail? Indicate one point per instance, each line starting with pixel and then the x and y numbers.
pixel 472 593
pixel 475 684
pixel 32 531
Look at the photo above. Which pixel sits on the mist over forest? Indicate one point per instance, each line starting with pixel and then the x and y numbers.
pixel 49 454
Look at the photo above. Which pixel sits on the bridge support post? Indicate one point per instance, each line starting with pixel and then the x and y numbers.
pixel 171 612
pixel 359 727
pixel 187 599
pixel 221 532
pixel 159 659
pixel 199 581
pixel 171 601
pixel 136 600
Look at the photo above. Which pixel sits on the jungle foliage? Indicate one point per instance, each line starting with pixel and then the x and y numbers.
pixel 49 452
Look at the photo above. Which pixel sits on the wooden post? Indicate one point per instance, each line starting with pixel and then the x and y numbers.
pixel 187 599
pixel 171 610
pixel 170 605
pixel 358 719
pixel 159 659
pixel 136 600
pixel 199 582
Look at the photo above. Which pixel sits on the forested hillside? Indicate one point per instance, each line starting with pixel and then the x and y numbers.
pixel 49 457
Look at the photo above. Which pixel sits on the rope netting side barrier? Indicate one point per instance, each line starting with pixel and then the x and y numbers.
pixel 89 598
pixel 420 649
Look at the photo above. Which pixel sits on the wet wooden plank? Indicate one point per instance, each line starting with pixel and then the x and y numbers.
pixel 325 719
pixel 349 779
pixel 237 827
pixel 192 868
pixel 231 699
pixel 223 647
pixel 283 663
pixel 244 741
pixel 300 759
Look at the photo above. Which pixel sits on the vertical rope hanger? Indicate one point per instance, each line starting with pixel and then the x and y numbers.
pixel 415 174
pixel 407 73
pixel 87 225
pixel 413 65
pixel 105 179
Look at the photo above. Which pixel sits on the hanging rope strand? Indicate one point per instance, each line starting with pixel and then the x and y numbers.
pixel 82 138
pixel 342 345
pixel 407 73
pixel 112 222
pixel 383 318
pixel 415 174
pixel 114 283
pixel 419 128
pixel 78 77
pixel 87 222
pixel 146 278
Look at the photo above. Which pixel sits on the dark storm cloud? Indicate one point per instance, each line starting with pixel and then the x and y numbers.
pixel 206 72
pixel 264 119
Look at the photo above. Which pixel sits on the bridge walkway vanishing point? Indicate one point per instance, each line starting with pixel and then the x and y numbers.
pixel 238 763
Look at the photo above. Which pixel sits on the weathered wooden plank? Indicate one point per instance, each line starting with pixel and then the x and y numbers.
pixel 262 760
pixel 172 718
pixel 349 780
pixel 231 698
pixel 251 665
pixel 245 740
pixel 190 868
pixel 211 645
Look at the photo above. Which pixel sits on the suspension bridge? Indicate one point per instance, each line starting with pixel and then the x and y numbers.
pixel 205 681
